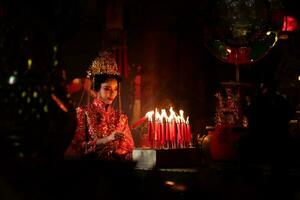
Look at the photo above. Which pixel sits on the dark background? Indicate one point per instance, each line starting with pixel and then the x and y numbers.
pixel 166 38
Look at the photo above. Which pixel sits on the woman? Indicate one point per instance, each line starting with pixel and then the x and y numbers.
pixel 102 132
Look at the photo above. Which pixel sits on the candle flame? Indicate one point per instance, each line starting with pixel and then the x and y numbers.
pixel 163 115
pixel 149 115
pixel 172 115
pixel 157 115
pixel 177 119
pixel 181 116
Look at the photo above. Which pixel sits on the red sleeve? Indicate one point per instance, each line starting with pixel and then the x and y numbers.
pixel 126 144
pixel 78 145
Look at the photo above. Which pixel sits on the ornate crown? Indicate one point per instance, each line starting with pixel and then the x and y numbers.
pixel 105 63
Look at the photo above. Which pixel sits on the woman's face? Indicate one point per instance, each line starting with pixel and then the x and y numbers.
pixel 108 91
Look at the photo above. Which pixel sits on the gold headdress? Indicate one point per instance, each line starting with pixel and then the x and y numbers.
pixel 105 63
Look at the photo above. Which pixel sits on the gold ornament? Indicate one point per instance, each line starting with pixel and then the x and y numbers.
pixel 105 63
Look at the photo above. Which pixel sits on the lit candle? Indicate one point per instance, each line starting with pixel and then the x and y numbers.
pixel 150 128
pixel 162 134
pixel 178 135
pixel 182 128
pixel 158 133
pixel 172 128
pixel 167 133
pixel 183 132
pixel 163 127
pixel 157 129
pixel 189 134
pixel 173 133
pixel 150 132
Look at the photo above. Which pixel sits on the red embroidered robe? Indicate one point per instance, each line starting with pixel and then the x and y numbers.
pixel 95 121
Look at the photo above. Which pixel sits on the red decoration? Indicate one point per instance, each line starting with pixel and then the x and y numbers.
pixel 290 24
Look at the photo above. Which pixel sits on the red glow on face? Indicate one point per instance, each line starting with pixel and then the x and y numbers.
pixel 290 24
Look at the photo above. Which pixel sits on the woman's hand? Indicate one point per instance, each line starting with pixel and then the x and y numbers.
pixel 111 137
pixel 118 136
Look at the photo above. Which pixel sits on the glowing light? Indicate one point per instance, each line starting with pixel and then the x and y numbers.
pixel 28 100
pixel 289 24
pixel 275 39
pixel 299 78
pixel 172 115
pixel 149 115
pixel 55 48
pixel 164 114
pixel 29 63
pixel 35 94
pixel 12 80
pixel 55 62
pixel 283 37
pixel 168 130
pixel 175 186
pixel 16 144
pixel 159 116
pixel 76 81
pixel 45 108
pixel 59 103
pixel 169 183
pixel 181 113
pixel 23 94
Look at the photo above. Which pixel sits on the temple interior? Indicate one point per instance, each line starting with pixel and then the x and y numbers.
pixel 205 59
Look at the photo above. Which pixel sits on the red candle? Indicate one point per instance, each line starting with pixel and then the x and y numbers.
pixel 189 134
pixel 138 122
pixel 150 131
pixel 167 131
pixel 157 133
pixel 178 135
pixel 150 127
pixel 163 134
pixel 172 131
pixel 186 135
pixel 182 128
pixel 164 119
pixel 183 132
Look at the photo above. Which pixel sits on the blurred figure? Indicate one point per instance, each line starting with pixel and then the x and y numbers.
pixel 268 139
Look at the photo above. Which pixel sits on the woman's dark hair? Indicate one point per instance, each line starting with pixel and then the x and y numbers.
pixel 101 78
